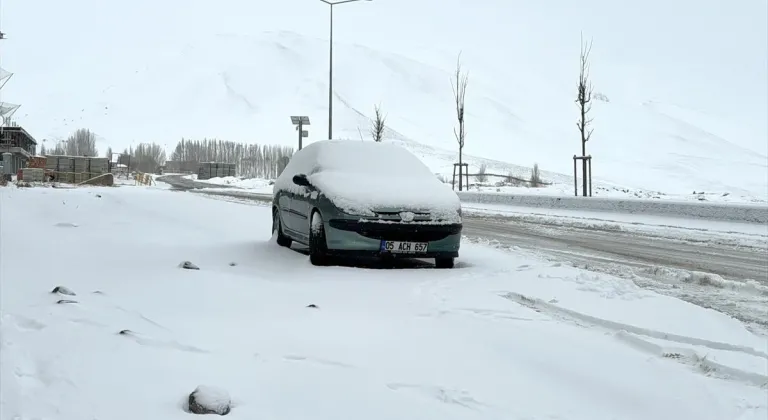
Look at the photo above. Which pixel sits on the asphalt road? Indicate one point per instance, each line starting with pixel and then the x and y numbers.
pixel 586 245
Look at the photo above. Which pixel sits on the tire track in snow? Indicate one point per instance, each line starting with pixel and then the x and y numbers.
pixel 691 357
pixel 631 335
pixel 157 343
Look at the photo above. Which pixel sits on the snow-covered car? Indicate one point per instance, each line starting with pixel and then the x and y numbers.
pixel 353 198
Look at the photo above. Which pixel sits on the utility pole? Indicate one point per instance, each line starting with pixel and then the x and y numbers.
pixel 330 66
pixel 300 121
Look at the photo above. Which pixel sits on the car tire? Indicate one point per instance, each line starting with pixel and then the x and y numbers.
pixel 277 230
pixel 444 262
pixel 318 247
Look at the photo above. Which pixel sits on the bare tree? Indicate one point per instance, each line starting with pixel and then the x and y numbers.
pixel 481 176
pixel 108 153
pixel 459 87
pixel 282 162
pixel 377 125
pixel 81 143
pixel 60 148
pixel 147 157
pixel 584 102
pixel 536 176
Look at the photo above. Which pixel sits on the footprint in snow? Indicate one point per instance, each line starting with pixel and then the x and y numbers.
pixel 315 360
pixel 66 225
pixel 29 324
pixel 444 395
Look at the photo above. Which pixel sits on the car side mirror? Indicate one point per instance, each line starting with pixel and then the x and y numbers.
pixel 301 180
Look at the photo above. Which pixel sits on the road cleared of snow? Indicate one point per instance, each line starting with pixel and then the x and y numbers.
pixel 501 336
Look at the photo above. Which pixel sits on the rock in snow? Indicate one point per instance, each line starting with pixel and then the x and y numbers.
pixel 209 400
pixel 62 291
pixel 188 265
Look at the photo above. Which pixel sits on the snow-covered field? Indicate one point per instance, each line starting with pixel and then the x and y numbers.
pixel 502 336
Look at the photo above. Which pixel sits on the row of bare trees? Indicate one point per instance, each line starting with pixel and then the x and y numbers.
pixel 80 143
pixel 251 160
pixel 584 98
pixel 459 82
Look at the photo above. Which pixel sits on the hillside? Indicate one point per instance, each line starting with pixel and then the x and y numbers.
pixel 676 119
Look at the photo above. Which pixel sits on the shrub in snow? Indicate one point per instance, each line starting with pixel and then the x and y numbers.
pixel 513 180
pixel 312 305
pixel 209 400
pixel 188 266
pixel 62 291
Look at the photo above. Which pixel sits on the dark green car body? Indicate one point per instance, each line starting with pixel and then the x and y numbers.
pixel 304 213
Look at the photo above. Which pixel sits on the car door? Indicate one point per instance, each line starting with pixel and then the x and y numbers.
pixel 301 204
pixel 284 207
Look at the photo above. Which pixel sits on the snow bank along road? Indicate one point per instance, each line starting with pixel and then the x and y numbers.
pixel 727 272
pixel 502 336
pixel 753 213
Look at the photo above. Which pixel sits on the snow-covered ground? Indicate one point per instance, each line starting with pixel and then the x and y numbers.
pixel 502 336
pixel 255 185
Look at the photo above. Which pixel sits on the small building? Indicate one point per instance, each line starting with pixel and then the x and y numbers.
pixel 181 167
pixel 20 144
pixel 210 170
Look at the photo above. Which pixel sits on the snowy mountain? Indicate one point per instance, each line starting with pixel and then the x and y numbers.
pixel 685 105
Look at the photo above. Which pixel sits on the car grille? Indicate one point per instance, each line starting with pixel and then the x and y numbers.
pixel 414 232
pixel 395 216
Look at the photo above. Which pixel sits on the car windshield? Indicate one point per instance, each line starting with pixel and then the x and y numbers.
pixel 369 159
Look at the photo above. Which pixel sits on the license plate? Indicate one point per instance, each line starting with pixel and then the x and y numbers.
pixel 397 247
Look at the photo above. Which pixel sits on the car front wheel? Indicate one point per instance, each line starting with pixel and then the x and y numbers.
pixel 443 262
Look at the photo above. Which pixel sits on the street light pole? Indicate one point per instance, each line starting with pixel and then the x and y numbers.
pixel 330 65
pixel 330 79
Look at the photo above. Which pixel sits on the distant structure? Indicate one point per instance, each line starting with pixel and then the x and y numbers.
pixel 17 146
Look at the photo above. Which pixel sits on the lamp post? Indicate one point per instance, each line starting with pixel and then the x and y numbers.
pixel 330 68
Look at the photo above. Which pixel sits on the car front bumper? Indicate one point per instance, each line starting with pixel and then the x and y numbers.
pixel 355 237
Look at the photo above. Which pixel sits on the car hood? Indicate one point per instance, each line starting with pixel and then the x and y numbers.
pixel 365 195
